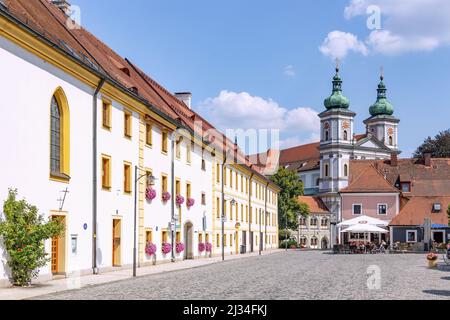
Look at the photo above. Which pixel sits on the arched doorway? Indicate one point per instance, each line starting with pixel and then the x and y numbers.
pixel 324 243
pixel 188 240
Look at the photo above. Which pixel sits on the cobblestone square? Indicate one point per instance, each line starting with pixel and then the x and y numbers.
pixel 295 275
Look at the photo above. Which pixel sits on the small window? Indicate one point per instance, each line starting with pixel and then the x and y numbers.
pixel 188 190
pixel 188 152
pixel 391 142
pixel 217 173
pixel 437 207
pixel 106 172
pixel 165 237
pixel 203 199
pixel 224 240
pixel 345 170
pixel 148 134
pixel 411 236
pixel 106 119
pixel 303 241
pixel 127 117
pixel 164 143
pixel 203 165
pixel 357 209
pixel 324 222
pixel 127 178
pixel 218 208
pixel 406 187
pixel 302 221
pixel 327 135
pixel 217 240
pixel 326 171
pixel 178 148
pixel 313 241
pixel 345 135
pixel 382 209
pixel 164 184
pixel 313 222
pixel 178 237
pixel 149 236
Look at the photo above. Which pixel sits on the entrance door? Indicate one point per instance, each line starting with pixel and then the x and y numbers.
pixel 324 243
pixel 58 250
pixel 189 241
pixel 251 241
pixel 261 241
pixel 116 237
pixel 438 236
pixel 244 240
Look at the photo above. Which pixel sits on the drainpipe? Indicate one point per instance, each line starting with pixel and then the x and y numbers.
pixel 172 204
pixel 223 215
pixel 94 174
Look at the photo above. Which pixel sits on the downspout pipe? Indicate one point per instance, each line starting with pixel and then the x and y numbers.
pixel 94 176
pixel 265 218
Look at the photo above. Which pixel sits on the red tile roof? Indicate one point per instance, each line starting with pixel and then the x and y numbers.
pixel 418 208
pixel 315 204
pixel 364 177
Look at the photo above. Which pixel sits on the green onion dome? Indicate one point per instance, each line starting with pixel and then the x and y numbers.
pixel 382 106
pixel 337 99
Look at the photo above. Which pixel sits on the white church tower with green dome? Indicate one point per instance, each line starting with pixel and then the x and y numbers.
pixel 382 124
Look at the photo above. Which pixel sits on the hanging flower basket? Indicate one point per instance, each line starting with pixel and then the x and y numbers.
pixel 166 196
pixel 190 202
pixel 150 249
pixel 166 248
pixel 208 247
pixel 179 200
pixel 201 247
pixel 150 194
pixel 180 247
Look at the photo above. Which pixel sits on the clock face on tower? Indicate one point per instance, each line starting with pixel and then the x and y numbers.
pixel 346 125
pixel 390 131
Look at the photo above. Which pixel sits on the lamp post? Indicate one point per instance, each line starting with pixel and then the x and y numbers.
pixel 151 181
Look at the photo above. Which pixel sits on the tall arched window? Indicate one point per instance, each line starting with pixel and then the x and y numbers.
pixel 59 137
pixel 391 141
pixel 345 135
pixel 327 135
pixel 326 171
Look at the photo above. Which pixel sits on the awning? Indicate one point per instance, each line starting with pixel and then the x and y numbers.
pixel 365 228
pixel 365 220
pixel 439 226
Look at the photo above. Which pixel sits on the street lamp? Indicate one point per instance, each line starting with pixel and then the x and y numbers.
pixel 150 181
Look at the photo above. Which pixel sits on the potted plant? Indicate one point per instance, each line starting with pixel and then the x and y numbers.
pixel 166 196
pixel 179 200
pixel 166 248
pixel 208 248
pixel 190 203
pixel 201 247
pixel 180 247
pixel 150 250
pixel 432 260
pixel 150 194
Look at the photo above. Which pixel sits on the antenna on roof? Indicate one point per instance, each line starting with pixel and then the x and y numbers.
pixel 381 73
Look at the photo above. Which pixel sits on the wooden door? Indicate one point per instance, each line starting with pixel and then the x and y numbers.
pixel 55 247
pixel 58 249
pixel 116 242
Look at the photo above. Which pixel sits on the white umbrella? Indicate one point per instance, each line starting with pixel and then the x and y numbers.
pixel 365 220
pixel 364 228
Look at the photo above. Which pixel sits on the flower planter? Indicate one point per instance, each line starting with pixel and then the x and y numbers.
pixel 150 194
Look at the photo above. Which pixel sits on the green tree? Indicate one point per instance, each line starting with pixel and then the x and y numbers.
pixel 288 205
pixel 24 232
pixel 448 214
pixel 439 146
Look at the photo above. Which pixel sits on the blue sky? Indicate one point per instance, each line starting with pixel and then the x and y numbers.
pixel 269 64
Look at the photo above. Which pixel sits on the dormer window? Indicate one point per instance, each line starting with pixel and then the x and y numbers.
pixel 406 186
pixel 437 207
pixel 125 70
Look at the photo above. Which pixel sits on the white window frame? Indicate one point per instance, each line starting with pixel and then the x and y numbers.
pixel 437 231
pixel 353 209
pixel 378 209
pixel 415 236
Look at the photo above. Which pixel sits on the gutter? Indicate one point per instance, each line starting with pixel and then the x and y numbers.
pixel 94 180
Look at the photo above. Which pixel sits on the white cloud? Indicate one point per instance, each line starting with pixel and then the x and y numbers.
pixel 407 25
pixel 289 71
pixel 338 44
pixel 232 110
pixel 294 141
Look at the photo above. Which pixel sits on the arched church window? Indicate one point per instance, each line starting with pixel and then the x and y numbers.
pixel 327 135
pixel 345 170
pixel 59 137
pixel 345 135
pixel 391 142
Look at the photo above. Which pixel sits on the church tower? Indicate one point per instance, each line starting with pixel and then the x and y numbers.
pixel 382 124
pixel 337 131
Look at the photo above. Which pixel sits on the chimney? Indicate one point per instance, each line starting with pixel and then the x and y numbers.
pixel 427 159
pixel 185 97
pixel 394 159
pixel 63 5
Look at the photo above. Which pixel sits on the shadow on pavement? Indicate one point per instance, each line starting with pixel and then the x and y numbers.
pixel 445 293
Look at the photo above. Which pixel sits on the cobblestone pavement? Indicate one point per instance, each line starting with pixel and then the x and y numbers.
pixel 292 275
